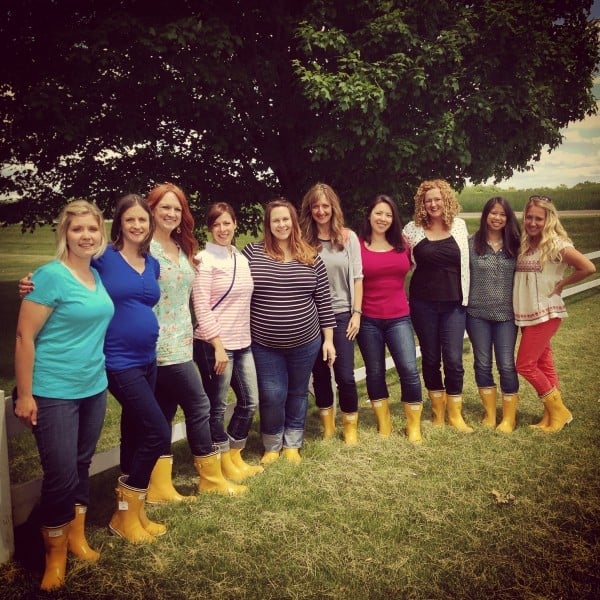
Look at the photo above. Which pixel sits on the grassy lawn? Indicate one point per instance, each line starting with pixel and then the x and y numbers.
pixel 462 516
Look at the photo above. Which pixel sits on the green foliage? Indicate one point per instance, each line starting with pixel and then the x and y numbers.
pixel 243 101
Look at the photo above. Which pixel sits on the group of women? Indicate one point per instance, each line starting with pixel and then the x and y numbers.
pixel 263 320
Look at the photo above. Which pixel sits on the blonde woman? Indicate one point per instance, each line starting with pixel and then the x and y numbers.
pixel 544 256
pixel 61 380
pixel 438 295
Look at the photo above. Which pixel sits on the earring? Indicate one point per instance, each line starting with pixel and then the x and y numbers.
pixel 178 229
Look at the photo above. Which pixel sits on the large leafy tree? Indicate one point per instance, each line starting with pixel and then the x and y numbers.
pixel 242 100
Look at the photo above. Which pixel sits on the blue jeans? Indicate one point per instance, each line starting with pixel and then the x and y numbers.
pixel 343 369
pixel 66 434
pixel 283 376
pixel 440 327
pixel 239 374
pixel 499 337
pixel 181 385
pixel 397 334
pixel 145 433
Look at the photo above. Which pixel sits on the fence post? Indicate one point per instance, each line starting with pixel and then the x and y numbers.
pixel 7 540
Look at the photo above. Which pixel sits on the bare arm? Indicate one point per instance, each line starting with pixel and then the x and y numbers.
pixel 582 267
pixel 354 324
pixel 32 317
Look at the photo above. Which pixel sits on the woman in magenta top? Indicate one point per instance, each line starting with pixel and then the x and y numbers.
pixel 386 318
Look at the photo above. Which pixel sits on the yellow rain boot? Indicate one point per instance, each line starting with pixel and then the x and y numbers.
pixel 292 455
pixel 489 397
pixel 76 541
pixel 328 421
pixel 55 543
pixel 126 521
pixel 455 418
pixel 438 407
pixel 211 477
pixel 242 465
pixel 350 425
pixel 229 469
pixel 560 415
pixel 269 457
pixel 509 413
pixel 413 421
pixel 161 487
pixel 381 408
pixel 153 528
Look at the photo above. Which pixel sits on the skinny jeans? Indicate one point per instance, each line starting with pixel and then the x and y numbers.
pixel 535 361
pixel 343 370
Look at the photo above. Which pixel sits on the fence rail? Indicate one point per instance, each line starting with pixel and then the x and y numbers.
pixel 17 501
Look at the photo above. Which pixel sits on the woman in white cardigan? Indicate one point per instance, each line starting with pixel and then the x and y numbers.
pixel 438 295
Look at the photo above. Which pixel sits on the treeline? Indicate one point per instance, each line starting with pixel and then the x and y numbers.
pixel 583 196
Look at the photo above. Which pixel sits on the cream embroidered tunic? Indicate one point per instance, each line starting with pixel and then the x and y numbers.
pixel 532 301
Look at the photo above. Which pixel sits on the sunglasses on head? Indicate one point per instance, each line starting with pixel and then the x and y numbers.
pixel 544 198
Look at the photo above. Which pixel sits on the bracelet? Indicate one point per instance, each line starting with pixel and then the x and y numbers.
pixel 355 310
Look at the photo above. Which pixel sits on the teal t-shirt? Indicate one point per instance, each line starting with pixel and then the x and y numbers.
pixel 69 357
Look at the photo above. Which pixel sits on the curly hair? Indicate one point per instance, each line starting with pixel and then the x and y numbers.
pixel 451 206
pixel 553 232
pixel 300 249
pixel 184 234
pixel 322 191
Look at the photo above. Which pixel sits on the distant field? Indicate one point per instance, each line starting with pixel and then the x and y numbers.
pixel 583 196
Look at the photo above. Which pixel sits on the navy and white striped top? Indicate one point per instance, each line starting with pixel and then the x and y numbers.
pixel 291 301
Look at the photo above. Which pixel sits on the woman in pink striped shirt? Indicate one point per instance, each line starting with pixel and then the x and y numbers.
pixel 221 294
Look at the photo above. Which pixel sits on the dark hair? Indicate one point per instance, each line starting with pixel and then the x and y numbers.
pixel 511 234
pixel 116 230
pixel 217 209
pixel 394 234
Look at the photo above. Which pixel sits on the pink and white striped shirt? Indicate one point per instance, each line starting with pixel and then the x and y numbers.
pixel 230 320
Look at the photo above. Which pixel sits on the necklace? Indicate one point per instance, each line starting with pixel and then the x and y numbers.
pixel 497 244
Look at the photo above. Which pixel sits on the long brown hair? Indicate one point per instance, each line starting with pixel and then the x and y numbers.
pixel 116 230
pixel 307 223
pixel 394 234
pixel 299 249
pixel 184 234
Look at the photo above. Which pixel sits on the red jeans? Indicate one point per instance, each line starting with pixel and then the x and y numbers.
pixel 534 359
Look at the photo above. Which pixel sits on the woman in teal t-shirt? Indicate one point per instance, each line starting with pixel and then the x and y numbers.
pixel 61 380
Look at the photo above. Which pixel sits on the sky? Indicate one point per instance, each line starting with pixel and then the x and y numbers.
pixel 576 160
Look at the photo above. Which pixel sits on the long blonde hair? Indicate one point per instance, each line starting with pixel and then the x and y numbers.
pixel 299 249
pixel 553 234
pixel 307 223
pixel 450 209
pixel 77 208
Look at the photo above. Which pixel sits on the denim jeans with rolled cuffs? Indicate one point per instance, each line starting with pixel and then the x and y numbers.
pixel 283 377
pixel 343 369
pixel 181 385
pixel 145 433
pixel 489 339
pixel 440 327
pixel 66 434
pixel 240 375
pixel 398 336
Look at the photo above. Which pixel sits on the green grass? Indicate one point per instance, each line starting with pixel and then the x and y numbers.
pixel 384 519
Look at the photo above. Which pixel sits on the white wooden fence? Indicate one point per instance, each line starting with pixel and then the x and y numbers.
pixel 18 500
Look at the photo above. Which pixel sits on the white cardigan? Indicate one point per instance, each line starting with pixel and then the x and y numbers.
pixel 413 235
